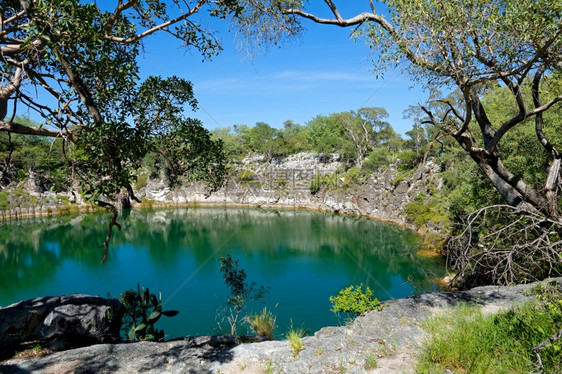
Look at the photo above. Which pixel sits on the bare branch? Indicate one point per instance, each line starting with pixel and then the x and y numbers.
pixel 518 249
pixel 116 13
pixel 29 130
pixel 114 215
pixel 364 18
pixel 159 27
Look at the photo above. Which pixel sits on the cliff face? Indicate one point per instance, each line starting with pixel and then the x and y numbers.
pixel 304 180
pixel 307 181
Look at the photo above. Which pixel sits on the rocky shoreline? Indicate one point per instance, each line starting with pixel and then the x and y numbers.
pixel 282 183
pixel 392 336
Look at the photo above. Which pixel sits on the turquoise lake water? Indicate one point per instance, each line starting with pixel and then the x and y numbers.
pixel 303 257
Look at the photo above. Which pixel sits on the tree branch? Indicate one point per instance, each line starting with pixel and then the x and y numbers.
pixel 114 215
pixel 363 18
pixel 161 26
pixel 81 88
pixel 28 130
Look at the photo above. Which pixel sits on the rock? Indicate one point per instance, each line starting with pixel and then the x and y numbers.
pixel 60 322
pixel 191 355
pixel 390 335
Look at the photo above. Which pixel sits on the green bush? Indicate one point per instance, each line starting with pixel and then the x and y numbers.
pixel 315 185
pixel 434 211
pixel 409 160
pixel 142 181
pixel 354 300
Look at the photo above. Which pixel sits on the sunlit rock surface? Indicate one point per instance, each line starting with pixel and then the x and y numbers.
pixel 391 335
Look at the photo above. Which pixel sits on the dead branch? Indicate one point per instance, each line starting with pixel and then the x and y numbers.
pixel 501 244
pixel 114 215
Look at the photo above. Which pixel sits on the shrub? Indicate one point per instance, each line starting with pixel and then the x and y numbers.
pixel 262 324
pixel 354 300
pixel 371 362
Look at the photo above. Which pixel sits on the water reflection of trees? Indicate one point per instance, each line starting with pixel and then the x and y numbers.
pixel 32 250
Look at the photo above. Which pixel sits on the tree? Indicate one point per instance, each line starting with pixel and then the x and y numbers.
pixel 240 291
pixel 470 45
pixel 82 63
pixel 352 134
pixel 327 135
pixel 294 137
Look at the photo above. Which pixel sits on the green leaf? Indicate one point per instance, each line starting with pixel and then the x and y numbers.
pixel 140 327
pixel 154 316
pixel 132 333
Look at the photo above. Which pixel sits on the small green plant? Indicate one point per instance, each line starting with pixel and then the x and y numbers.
pixel 341 368
pixel 294 336
pixel 262 324
pixel 371 362
pixel 269 367
pixel 241 292
pixel 142 311
pixel 354 300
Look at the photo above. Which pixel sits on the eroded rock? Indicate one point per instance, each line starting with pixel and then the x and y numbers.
pixel 59 322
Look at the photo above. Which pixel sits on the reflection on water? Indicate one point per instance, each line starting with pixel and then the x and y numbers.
pixel 304 257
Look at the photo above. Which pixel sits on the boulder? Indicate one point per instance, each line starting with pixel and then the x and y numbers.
pixel 60 322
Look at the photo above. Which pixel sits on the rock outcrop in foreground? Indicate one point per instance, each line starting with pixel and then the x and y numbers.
pixel 390 335
pixel 59 322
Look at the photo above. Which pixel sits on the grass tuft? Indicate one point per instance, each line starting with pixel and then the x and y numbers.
pixel 294 336
pixel 262 324
pixel 465 340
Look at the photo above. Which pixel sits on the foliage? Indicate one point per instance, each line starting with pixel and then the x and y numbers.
pixel 240 291
pixel 142 310
pixel 355 300
pixel 246 175
pixel 262 324
pixel 352 177
pixel 104 119
pixel 423 211
pixel 319 181
pixel 503 57
pixel 465 340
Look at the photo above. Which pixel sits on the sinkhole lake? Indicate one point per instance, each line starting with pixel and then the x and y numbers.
pixel 303 257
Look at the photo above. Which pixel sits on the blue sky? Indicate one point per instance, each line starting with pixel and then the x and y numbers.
pixel 321 73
